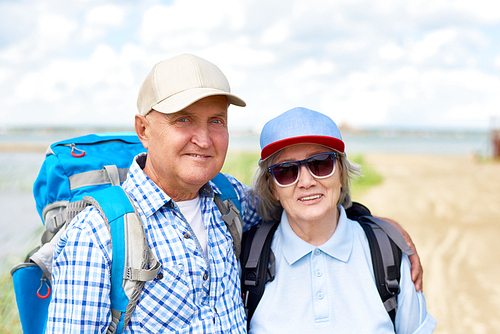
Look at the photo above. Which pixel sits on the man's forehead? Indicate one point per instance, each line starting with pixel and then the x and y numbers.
pixel 194 112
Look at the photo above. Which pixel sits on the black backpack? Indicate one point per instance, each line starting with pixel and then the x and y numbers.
pixel 386 246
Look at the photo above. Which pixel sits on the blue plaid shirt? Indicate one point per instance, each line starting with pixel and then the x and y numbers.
pixel 191 294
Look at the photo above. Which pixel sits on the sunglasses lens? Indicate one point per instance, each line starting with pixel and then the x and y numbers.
pixel 321 165
pixel 286 173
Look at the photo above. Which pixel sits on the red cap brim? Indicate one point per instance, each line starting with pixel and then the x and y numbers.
pixel 330 142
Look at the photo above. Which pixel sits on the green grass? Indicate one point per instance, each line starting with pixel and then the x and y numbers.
pixel 9 317
pixel 370 177
pixel 241 165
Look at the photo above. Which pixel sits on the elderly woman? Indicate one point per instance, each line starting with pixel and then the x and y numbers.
pixel 324 279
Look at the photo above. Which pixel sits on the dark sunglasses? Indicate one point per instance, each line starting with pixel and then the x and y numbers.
pixel 320 166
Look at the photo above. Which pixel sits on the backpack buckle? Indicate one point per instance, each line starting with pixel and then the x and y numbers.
pixel 392 286
pixel 251 278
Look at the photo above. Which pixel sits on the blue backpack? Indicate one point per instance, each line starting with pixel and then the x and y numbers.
pixel 89 170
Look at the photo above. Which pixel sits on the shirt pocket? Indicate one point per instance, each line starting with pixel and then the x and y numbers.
pixel 167 303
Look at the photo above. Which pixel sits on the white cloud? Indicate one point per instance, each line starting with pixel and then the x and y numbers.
pixel 486 11
pixel 431 44
pixel 391 51
pixel 276 34
pixel 16 53
pixel 367 62
pixel 472 112
pixel 63 77
pixel 5 73
pixel 100 19
pixel 106 15
pixel 53 31
pixel 497 62
pixel 305 81
pixel 189 23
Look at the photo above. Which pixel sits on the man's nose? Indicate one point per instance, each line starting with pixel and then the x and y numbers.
pixel 201 136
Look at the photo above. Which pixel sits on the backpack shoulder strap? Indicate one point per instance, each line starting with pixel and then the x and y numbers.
pixel 357 210
pixel 258 264
pixel 386 247
pixel 229 206
pixel 133 261
pixel 386 260
pixel 227 190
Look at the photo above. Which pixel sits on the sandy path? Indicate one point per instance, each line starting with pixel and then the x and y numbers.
pixel 451 207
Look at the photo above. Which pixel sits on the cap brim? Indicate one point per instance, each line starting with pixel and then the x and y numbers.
pixel 184 99
pixel 330 142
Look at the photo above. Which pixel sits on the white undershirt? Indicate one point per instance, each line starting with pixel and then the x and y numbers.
pixel 192 212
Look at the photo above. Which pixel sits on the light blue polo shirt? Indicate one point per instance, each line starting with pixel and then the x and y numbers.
pixel 331 288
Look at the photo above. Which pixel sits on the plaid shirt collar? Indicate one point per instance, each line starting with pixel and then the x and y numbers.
pixel 138 184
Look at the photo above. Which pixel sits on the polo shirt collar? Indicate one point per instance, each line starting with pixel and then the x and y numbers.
pixel 339 246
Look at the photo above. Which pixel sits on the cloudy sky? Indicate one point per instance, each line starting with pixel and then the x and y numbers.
pixel 365 63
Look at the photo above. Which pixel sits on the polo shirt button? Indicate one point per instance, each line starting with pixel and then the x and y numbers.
pixel 159 276
pixel 320 295
pixel 186 235
pixel 317 252
pixel 205 277
pixel 318 273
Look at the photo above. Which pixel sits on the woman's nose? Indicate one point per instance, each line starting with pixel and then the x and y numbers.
pixel 305 178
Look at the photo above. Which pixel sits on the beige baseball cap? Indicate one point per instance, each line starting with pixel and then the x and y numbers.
pixel 178 82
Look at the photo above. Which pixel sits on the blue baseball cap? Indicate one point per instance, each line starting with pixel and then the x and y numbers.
pixel 299 126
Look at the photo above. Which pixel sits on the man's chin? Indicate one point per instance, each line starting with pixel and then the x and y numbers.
pixel 200 178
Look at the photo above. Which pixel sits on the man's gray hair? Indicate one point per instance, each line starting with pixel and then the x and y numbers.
pixel 270 208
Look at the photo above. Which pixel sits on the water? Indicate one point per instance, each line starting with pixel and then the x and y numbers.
pixel 447 143
pixel 19 165
pixel 19 220
pixel 442 143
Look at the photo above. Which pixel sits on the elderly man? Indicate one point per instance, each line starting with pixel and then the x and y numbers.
pixel 182 122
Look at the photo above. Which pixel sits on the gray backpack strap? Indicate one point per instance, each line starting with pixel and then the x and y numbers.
pixel 108 175
pixel 115 319
pixel 231 216
pixel 75 208
pixel 393 233
pixel 386 244
pixel 56 215
pixel 43 257
pixel 258 244
pixel 388 262
pixel 140 264
pixel 257 264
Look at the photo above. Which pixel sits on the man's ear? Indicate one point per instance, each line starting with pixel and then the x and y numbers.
pixel 141 128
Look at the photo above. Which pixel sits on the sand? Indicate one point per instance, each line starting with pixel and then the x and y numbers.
pixel 450 205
